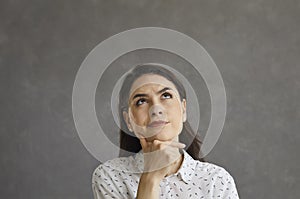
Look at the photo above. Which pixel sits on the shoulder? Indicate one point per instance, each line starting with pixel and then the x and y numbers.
pixel 115 166
pixel 212 169
pixel 115 178
pixel 204 172
pixel 219 178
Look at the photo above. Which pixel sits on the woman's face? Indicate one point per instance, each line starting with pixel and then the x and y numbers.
pixel 155 110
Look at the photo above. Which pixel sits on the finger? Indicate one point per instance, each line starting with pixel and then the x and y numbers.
pixel 169 143
pixel 177 144
pixel 143 142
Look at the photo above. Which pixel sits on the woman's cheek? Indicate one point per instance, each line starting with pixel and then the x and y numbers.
pixel 140 118
pixel 177 127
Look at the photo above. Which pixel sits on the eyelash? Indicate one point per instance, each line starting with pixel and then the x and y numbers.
pixel 144 99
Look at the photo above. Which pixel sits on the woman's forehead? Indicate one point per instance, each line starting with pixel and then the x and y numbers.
pixel 151 80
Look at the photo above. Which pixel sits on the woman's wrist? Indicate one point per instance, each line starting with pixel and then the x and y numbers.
pixel 151 178
pixel 148 187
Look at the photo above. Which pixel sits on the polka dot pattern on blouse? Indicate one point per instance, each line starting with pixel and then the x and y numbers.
pixel 119 178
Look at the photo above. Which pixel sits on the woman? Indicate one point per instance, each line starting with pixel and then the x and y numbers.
pixel 152 104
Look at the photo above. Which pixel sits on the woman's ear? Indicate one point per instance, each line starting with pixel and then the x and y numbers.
pixel 126 118
pixel 183 110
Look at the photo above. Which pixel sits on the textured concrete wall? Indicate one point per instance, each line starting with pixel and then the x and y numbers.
pixel 256 45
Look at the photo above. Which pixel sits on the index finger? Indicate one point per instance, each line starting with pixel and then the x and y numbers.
pixel 172 143
pixel 143 142
pixel 177 144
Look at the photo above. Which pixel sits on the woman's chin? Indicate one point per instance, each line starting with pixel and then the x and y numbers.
pixel 161 137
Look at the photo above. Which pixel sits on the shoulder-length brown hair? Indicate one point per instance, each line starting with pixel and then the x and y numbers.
pixel 128 141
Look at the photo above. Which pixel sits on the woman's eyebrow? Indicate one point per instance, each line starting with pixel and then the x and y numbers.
pixel 145 95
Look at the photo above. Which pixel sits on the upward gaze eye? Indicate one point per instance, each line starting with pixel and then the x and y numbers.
pixel 141 101
pixel 166 95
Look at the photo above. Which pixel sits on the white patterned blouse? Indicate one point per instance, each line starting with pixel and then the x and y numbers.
pixel 119 178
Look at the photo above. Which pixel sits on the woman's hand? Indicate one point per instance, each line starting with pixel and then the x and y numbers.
pixel 159 161
pixel 159 156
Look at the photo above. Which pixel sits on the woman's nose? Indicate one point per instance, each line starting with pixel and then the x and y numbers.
pixel 156 110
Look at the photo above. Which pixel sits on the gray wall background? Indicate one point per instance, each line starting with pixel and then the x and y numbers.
pixel 256 45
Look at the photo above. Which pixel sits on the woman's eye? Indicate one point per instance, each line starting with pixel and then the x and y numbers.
pixel 143 100
pixel 167 95
pixel 140 102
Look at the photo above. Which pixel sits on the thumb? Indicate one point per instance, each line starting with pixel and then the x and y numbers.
pixel 143 142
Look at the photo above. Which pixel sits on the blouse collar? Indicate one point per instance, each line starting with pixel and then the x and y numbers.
pixel 185 172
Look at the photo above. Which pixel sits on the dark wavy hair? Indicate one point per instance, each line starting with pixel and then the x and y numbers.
pixel 128 141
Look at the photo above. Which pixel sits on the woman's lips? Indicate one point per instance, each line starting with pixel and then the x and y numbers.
pixel 157 123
